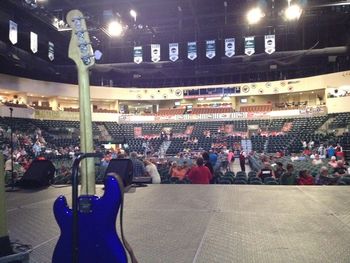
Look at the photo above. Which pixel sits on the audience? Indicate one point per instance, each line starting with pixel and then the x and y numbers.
pixel 200 174
pixel 151 170
pixel 305 178
pixel 266 171
pixel 279 170
pixel 138 166
pixel 288 177
pixel 340 169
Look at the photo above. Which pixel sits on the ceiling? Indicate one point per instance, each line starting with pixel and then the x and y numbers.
pixel 299 44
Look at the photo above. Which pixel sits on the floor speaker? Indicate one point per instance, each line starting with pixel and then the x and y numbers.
pixel 39 174
pixel 122 167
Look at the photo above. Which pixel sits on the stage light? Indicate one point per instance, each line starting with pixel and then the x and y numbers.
pixel 133 14
pixel 254 15
pixel 293 12
pixel 115 29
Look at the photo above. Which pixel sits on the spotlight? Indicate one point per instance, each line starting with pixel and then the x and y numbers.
pixel 133 14
pixel 254 15
pixel 293 12
pixel 115 29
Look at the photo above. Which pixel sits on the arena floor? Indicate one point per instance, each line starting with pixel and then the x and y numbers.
pixel 213 223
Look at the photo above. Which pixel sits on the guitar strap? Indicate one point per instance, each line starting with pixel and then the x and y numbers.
pixel 125 242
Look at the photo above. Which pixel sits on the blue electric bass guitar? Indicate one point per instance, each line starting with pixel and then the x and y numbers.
pixel 88 230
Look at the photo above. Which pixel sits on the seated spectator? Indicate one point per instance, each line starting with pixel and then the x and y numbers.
pixel 288 177
pixel 333 162
pixel 305 178
pixel 294 157
pixel 324 178
pixel 340 169
pixel 266 171
pixel 279 170
pixel 317 160
pixel 151 170
pixel 200 174
pixel 138 166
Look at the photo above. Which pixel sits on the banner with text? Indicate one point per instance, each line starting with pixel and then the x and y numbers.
pixel 33 42
pixel 270 45
pixel 229 47
pixel 192 50
pixel 51 51
pixel 174 51
pixel 138 55
pixel 13 33
pixel 155 52
pixel 249 46
pixel 210 49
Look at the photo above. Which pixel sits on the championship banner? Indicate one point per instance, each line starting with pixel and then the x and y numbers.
pixel 13 32
pixel 51 52
pixel 155 52
pixel 210 51
pixel 33 42
pixel 138 55
pixel 270 45
pixel 229 47
pixel 249 46
pixel 192 50
pixel 174 51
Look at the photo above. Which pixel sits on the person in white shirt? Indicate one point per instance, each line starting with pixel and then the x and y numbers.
pixel 317 160
pixel 152 171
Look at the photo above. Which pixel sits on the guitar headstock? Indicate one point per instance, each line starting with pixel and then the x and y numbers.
pixel 80 49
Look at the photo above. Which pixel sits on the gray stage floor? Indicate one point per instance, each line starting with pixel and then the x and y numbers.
pixel 214 223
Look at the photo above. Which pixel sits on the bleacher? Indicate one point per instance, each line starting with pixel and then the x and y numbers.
pixel 177 111
pixel 256 108
pixel 212 110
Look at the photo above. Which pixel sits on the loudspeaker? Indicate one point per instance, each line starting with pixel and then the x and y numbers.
pixel 39 174
pixel 122 167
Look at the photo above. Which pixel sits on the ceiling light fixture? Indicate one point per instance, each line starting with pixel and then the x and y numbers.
pixel 292 12
pixel 254 15
pixel 115 29
pixel 133 14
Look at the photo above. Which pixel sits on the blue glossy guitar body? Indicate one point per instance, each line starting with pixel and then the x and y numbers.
pixel 98 240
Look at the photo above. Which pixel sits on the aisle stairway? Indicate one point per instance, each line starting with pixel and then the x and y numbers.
pixel 246 145
pixel 163 148
pixel 105 136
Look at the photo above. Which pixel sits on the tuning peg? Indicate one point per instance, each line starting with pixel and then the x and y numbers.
pixel 98 54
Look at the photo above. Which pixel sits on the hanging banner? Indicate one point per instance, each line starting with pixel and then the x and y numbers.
pixel 138 55
pixel 270 45
pixel 155 52
pixel 174 51
pixel 33 42
pixel 229 47
pixel 51 52
pixel 249 46
pixel 210 50
pixel 192 50
pixel 13 32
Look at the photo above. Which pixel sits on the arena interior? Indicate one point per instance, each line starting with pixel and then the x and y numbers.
pixel 234 115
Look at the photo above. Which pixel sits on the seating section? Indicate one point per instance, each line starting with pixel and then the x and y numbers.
pixel 341 120
pixel 256 108
pixel 211 110
pixel 177 111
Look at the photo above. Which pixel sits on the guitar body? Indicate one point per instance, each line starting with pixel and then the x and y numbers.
pixel 98 240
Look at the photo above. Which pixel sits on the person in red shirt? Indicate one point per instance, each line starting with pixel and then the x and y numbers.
pixel 200 174
pixel 305 178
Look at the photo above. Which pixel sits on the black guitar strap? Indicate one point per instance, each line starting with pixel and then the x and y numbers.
pixel 125 242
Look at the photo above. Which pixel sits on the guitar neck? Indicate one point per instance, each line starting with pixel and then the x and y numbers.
pixel 86 136
pixel 80 51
